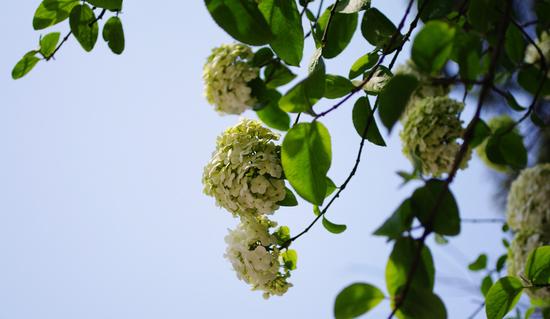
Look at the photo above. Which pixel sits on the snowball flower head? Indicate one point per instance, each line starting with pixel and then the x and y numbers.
pixel 252 251
pixel 430 132
pixel 520 248
pixel 496 123
pixel 226 75
pixel 528 207
pixel 245 175
pixel 532 54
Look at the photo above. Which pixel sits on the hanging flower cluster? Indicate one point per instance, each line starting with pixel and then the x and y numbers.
pixel 496 123
pixel 532 55
pixel 376 83
pixel 253 252
pixel 245 177
pixel 430 132
pixel 528 213
pixel 226 75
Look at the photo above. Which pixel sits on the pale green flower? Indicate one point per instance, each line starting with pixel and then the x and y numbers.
pixel 255 257
pixel 528 207
pixel 376 83
pixel 226 75
pixel 532 54
pixel 523 244
pixel 430 132
pixel 498 122
pixel 245 175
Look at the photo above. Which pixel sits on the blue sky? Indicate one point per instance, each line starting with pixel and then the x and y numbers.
pixel 101 207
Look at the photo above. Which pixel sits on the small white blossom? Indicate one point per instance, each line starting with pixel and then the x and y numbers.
pixel 226 75
pixel 520 248
pixel 430 132
pixel 245 175
pixel 254 255
pixel 528 208
pixel 532 54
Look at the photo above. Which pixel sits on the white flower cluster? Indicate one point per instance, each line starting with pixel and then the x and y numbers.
pixel 252 251
pixel 496 123
pixel 528 214
pixel 430 132
pixel 529 200
pixel 245 175
pixel 532 54
pixel 226 75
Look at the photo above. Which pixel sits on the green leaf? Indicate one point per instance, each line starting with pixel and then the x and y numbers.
pixel 467 53
pixel 286 26
pixel 434 9
pixel 400 263
pixel 502 297
pixel 262 57
pixel 514 44
pixel 305 94
pixel 274 117
pixel 440 239
pixel 306 156
pixel 113 34
pixel 277 74
pixel 113 5
pixel 400 221
pixel 51 12
pixel 422 303
pixel 25 65
pixel 483 14
pixel 433 46
pixel 513 103
pixel 501 262
pixel 352 6
pixel 356 299
pixel 537 268
pixel 337 86
pixel 241 19
pixel 331 187
pixel 486 284
pixel 378 30
pixel 361 115
pixel 481 132
pixel 341 30
pixel 362 64
pixel 48 43
pixel 289 200
pixel 507 149
pixel 394 98
pixel 83 26
pixel 530 78
pixel 479 264
pixel 282 234
pixel 332 227
pixel 290 259
pixel 446 220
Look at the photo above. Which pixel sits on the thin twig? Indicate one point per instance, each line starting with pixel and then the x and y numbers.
pixel 477 311
pixel 482 220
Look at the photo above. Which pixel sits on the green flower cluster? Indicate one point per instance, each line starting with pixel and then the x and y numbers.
pixel 528 214
pixel 226 75
pixel 245 177
pixel 426 87
pixel 430 132
pixel 496 123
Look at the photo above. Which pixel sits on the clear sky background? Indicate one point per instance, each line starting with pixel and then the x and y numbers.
pixel 101 207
